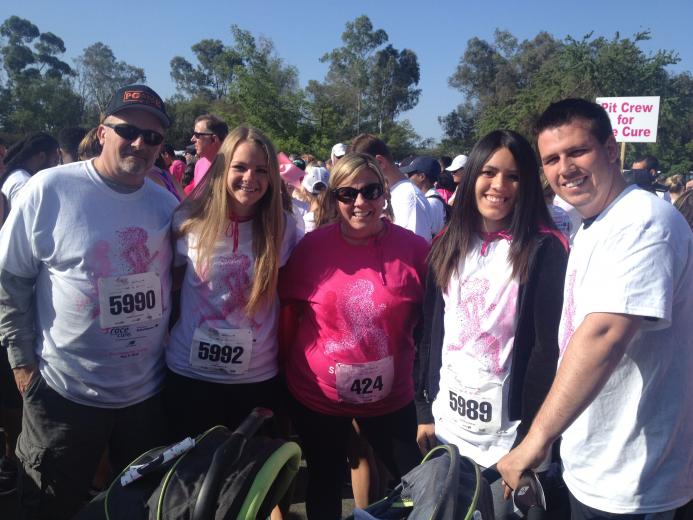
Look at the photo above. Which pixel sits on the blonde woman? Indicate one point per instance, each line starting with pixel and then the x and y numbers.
pixel 232 237
pixel 352 290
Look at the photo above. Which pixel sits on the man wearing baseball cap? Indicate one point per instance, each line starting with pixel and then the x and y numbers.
pixel 84 302
pixel 338 151
pixel 424 172
pixel 456 167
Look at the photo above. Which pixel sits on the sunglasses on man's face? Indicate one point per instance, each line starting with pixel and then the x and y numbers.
pixel 132 132
pixel 348 195
pixel 197 135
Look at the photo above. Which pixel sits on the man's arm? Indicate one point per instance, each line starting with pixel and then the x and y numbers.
pixel 590 358
pixel 17 318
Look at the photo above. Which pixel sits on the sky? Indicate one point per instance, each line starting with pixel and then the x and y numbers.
pixel 149 33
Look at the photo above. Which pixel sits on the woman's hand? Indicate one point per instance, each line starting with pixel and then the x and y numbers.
pixel 426 437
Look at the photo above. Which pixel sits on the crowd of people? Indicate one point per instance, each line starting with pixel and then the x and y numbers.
pixel 505 300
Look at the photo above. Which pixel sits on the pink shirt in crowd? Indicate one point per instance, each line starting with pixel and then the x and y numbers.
pixel 201 167
pixel 362 304
pixel 177 169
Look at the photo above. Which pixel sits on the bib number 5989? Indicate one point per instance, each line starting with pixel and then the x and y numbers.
pixel 225 353
pixel 471 408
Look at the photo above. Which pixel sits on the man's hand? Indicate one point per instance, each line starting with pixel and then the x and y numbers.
pixel 426 437
pixel 527 455
pixel 23 377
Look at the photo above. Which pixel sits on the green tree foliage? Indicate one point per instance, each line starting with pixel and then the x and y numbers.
pixel 100 74
pixel 367 85
pixel 244 83
pixel 214 74
pixel 37 94
pixel 507 84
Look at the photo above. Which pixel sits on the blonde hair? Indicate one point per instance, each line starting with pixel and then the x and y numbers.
pixel 206 213
pixel 675 184
pixel 346 169
pixel 89 147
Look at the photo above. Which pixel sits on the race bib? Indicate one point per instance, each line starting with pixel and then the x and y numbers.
pixel 365 382
pixel 128 300
pixel 477 410
pixel 221 350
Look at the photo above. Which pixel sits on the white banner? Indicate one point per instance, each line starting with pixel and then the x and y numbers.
pixel 634 119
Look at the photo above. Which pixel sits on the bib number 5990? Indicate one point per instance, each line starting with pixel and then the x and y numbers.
pixel 225 353
pixel 128 303
pixel 470 408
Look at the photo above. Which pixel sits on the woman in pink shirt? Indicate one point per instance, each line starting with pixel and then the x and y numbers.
pixel 352 290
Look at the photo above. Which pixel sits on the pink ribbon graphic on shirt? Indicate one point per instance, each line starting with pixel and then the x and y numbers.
pixel 473 315
pixel 228 281
pixel 357 319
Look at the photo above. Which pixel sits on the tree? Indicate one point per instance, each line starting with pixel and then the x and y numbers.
pixel 391 84
pixel 37 95
pixel 100 74
pixel 214 74
pixel 20 61
pixel 459 132
pixel 350 64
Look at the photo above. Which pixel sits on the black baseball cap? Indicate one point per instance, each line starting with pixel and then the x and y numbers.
pixel 427 165
pixel 140 97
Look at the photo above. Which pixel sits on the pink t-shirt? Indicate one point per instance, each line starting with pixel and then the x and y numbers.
pixel 353 353
pixel 201 167
pixel 177 169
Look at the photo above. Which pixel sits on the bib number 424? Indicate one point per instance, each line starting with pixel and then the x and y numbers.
pixel 367 385
pixel 471 408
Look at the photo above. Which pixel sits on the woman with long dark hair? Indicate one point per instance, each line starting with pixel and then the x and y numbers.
pixel 33 153
pixel 494 291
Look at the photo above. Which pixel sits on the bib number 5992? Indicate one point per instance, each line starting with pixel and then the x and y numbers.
pixel 225 353
pixel 471 408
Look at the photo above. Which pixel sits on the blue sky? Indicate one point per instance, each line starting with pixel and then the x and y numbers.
pixel 149 33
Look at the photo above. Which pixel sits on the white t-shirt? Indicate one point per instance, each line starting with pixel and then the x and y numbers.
pixel 411 209
pixel 437 211
pixel 573 214
pixel 101 261
pixel 562 220
pixel 631 450
pixel 212 313
pixel 300 208
pixel 471 408
pixel 13 184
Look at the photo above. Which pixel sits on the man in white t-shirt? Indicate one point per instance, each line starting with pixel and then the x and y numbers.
pixel 423 172
pixel 623 391
pixel 409 205
pixel 84 305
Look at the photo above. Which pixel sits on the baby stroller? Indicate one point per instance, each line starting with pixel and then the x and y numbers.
pixel 448 486
pixel 224 475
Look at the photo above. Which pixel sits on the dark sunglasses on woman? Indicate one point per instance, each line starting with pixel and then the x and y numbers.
pixel 132 132
pixel 348 195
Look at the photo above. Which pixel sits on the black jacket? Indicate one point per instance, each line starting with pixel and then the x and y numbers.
pixel 535 349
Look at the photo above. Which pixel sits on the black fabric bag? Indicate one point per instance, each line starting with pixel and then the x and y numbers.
pixel 226 475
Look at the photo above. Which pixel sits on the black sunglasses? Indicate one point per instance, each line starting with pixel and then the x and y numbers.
pixel 132 132
pixel 348 195
pixel 197 135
